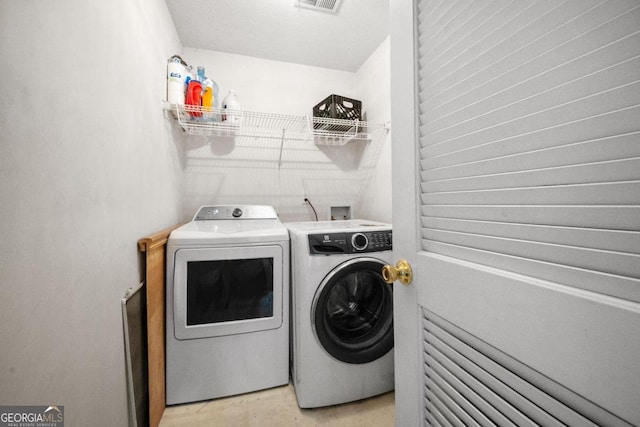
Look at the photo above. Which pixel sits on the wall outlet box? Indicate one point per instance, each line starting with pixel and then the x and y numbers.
pixel 338 213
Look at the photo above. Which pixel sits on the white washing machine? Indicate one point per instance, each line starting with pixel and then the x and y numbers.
pixel 227 317
pixel 341 311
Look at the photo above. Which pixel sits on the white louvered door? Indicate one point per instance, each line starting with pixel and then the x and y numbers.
pixel 516 168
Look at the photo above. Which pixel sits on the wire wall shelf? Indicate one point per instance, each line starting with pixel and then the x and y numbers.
pixel 207 121
pixel 330 159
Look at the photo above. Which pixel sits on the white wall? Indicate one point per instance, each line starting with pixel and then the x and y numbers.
pixel 271 86
pixel 221 170
pixel 373 85
pixel 88 165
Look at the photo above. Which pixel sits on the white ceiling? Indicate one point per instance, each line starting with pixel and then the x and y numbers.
pixel 278 30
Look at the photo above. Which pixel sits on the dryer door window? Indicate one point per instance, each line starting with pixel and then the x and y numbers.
pixel 353 312
pixel 227 291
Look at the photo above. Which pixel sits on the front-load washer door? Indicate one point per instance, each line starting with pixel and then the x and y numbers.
pixel 227 291
pixel 352 312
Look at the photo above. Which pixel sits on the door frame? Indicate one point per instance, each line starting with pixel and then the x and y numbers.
pixel 404 211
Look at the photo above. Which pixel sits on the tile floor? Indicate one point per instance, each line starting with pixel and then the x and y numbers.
pixel 278 407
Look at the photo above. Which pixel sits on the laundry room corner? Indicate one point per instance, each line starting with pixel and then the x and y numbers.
pixel 92 161
pixel 373 80
pixel 239 170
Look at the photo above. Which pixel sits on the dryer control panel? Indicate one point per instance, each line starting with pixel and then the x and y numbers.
pixel 235 212
pixel 350 243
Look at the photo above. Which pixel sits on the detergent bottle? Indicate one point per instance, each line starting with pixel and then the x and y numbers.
pixel 176 75
pixel 207 100
pixel 194 99
pixel 231 107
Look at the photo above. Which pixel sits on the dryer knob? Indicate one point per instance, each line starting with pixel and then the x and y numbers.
pixel 237 213
pixel 359 241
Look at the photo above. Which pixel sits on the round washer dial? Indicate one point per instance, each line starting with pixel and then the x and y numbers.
pixel 359 241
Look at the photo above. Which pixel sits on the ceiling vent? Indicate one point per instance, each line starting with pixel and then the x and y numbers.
pixel 330 6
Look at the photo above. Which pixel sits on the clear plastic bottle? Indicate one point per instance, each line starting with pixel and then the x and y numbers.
pixel 216 94
pixel 201 77
pixel 190 76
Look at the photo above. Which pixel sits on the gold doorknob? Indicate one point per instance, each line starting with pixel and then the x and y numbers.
pixel 402 271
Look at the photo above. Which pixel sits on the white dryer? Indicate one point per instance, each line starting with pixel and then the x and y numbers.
pixel 227 318
pixel 341 311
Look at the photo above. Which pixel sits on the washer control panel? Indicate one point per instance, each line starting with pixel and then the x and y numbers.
pixel 350 243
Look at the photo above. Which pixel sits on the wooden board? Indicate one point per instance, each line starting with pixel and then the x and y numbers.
pixel 154 247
